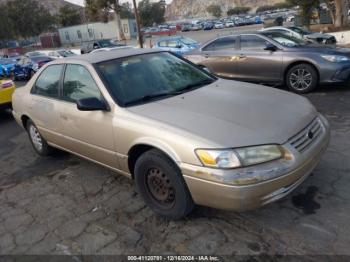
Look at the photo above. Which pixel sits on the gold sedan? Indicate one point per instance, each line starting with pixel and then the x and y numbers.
pixel 183 135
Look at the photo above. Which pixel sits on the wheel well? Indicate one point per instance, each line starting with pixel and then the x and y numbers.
pixel 298 63
pixel 24 119
pixel 134 153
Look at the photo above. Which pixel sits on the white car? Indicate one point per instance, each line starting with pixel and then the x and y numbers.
pixel 57 54
pixel 219 26
pixel 301 33
pixel 229 24
pixel 110 49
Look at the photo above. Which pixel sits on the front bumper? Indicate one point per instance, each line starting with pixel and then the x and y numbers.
pixel 334 74
pixel 260 184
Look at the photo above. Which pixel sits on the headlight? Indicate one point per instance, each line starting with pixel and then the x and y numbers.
pixel 335 58
pixel 239 157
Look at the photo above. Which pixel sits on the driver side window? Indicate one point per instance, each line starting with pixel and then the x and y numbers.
pixel 78 84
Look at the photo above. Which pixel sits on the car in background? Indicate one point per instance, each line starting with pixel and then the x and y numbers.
pixel 274 58
pixel 87 47
pixel 186 27
pixel 184 136
pixel 229 23
pixel 60 54
pixel 34 53
pixel 7 87
pixel 302 33
pixel 208 25
pixel 196 27
pixel 219 25
pixel 177 44
pixel 6 66
pixel 111 49
pixel 26 67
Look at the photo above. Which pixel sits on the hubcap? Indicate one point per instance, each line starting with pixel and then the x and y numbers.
pixel 36 138
pixel 300 79
pixel 159 187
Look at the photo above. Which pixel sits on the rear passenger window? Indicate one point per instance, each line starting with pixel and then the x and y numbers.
pixel 78 84
pixel 252 42
pixel 47 83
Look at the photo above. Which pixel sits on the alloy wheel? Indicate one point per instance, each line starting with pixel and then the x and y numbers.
pixel 300 79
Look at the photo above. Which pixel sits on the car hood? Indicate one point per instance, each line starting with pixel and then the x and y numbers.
pixel 233 114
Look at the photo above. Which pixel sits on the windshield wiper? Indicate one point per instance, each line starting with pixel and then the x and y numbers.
pixel 148 98
pixel 192 86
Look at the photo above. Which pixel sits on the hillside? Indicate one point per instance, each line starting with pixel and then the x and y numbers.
pixel 52 5
pixel 179 9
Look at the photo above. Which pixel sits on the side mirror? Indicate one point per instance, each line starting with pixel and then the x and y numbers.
pixel 91 104
pixel 270 47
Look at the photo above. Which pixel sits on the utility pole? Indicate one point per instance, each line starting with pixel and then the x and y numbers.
pixel 138 24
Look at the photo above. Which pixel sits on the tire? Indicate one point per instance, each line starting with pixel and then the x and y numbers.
pixel 38 142
pixel 302 78
pixel 159 181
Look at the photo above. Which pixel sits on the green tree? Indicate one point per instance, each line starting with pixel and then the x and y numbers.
pixel 28 18
pixel 126 11
pixel 214 10
pixel 6 28
pixel 68 16
pixel 238 10
pixel 306 9
pixel 151 13
pixel 105 6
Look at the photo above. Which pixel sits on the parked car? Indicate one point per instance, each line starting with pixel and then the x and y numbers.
pixel 182 134
pixel 7 87
pixel 87 47
pixel 186 27
pixel 208 26
pixel 301 33
pixel 26 67
pixel 6 66
pixel 219 25
pixel 229 23
pixel 176 44
pixel 111 49
pixel 196 27
pixel 60 54
pixel 274 58
pixel 34 53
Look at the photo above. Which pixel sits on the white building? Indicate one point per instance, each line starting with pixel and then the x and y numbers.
pixel 74 35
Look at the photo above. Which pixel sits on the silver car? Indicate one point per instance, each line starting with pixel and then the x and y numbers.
pixel 274 58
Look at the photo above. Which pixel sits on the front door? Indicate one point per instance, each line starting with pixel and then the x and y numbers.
pixel 87 133
pixel 257 64
pixel 221 57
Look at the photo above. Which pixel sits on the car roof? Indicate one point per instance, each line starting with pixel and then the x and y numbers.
pixel 110 55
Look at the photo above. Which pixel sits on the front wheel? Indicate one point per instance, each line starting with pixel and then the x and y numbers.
pixel 38 142
pixel 159 181
pixel 302 78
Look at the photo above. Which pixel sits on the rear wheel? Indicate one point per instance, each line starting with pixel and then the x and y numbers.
pixel 159 181
pixel 302 78
pixel 38 142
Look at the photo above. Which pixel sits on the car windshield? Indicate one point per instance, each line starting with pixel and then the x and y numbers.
pixel 148 77
pixel 66 53
pixel 285 40
pixel 188 41
pixel 300 30
pixel 37 59
pixel 106 43
pixel 34 54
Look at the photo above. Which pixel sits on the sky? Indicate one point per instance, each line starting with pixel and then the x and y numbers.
pixel 81 2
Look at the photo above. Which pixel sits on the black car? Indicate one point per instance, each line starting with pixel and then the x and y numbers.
pixel 87 47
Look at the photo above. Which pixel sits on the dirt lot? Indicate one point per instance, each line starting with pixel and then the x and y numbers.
pixel 65 205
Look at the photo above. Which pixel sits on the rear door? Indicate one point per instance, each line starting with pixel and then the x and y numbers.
pixel 87 133
pixel 257 64
pixel 221 56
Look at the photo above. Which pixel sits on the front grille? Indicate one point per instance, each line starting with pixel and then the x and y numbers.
pixel 307 137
